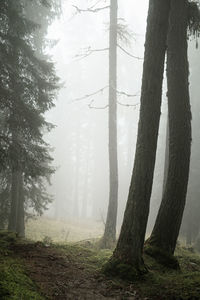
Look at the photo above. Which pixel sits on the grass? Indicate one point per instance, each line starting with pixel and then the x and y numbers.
pixel 63 231
pixel 159 283
pixel 14 282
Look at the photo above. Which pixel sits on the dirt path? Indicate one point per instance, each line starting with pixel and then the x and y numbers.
pixel 59 276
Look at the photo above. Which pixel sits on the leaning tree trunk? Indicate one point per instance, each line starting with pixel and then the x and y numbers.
pixel 168 222
pixel 109 236
pixel 130 244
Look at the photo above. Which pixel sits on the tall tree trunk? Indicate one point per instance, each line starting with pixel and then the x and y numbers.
pixel 109 236
pixel 130 244
pixel 12 222
pixel 166 156
pixel 14 194
pixel 20 229
pixel 167 226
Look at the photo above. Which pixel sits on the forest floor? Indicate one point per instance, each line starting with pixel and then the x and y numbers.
pixel 42 270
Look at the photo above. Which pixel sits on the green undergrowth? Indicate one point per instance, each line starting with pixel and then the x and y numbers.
pixel 159 283
pixel 87 253
pixel 14 282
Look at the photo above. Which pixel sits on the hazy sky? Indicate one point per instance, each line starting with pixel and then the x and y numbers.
pixel 75 32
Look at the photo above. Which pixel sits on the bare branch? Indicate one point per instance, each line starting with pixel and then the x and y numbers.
pixel 95 107
pixel 90 9
pixel 90 95
pixel 129 54
pixel 127 95
pixel 128 105
pixel 89 51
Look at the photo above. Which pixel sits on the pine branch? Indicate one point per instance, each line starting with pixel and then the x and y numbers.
pixel 128 53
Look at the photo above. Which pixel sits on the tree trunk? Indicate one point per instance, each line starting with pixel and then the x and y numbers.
pixel 131 240
pixel 110 227
pixel 20 229
pixel 166 156
pixel 168 222
pixel 12 222
pixel 14 194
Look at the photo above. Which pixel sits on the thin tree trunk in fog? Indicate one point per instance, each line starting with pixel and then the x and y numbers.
pixel 85 184
pixel 166 155
pixel 168 222
pixel 20 215
pixel 77 167
pixel 109 236
pixel 130 244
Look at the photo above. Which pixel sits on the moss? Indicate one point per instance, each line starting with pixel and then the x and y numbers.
pixel 14 282
pixel 116 267
pixel 162 256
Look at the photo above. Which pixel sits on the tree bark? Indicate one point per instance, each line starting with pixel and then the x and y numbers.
pixel 109 236
pixel 168 222
pixel 12 222
pixel 14 194
pixel 20 229
pixel 131 239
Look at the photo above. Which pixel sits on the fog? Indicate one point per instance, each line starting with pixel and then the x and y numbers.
pixel 80 186
pixel 80 140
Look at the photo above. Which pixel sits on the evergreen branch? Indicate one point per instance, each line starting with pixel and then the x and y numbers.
pixel 90 95
pixel 128 53
pixel 90 9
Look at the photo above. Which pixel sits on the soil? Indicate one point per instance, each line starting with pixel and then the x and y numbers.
pixel 60 276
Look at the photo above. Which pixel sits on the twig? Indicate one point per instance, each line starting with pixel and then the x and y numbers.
pixel 127 95
pixel 90 9
pixel 95 107
pixel 128 105
pixel 89 51
pixel 90 95
pixel 131 55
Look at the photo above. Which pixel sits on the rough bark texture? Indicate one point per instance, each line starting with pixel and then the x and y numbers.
pixel 110 226
pixel 167 226
pixel 131 240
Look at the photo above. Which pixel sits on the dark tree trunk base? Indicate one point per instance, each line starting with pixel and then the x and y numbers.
pixel 115 267
pixel 161 256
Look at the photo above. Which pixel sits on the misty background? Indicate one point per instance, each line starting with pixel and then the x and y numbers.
pixel 80 186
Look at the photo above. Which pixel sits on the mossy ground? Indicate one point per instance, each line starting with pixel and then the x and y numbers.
pixel 14 281
pixel 30 270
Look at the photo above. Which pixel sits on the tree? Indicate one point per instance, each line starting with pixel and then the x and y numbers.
pixel 28 85
pixel 117 33
pixel 128 252
pixel 109 236
pixel 166 229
